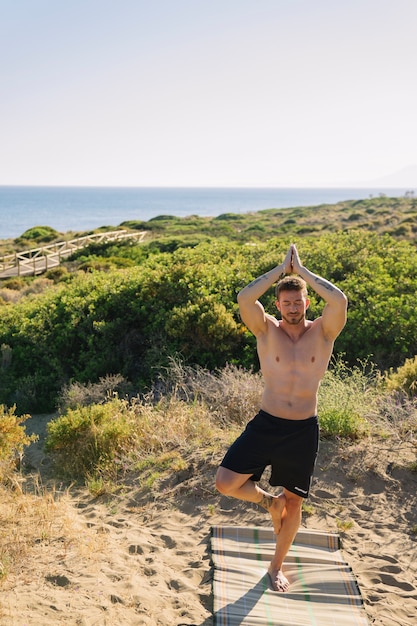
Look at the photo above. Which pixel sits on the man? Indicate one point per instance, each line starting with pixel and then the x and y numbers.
pixel 294 354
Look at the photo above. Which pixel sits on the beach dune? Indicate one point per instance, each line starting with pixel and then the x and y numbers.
pixel 143 559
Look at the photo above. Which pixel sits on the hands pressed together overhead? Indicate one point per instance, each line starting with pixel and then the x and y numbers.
pixel 292 263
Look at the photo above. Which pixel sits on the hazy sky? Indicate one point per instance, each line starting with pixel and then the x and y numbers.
pixel 191 92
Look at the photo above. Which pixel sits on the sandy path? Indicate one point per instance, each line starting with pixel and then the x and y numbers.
pixel 143 559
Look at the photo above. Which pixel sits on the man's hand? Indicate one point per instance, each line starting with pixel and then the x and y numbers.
pixel 333 317
pixel 295 259
pixel 288 261
pixel 292 261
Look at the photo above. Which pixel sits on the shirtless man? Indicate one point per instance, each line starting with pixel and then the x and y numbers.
pixel 294 354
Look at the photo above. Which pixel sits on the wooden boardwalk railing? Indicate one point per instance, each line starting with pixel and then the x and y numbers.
pixel 39 260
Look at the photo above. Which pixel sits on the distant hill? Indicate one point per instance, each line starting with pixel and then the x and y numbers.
pixel 405 177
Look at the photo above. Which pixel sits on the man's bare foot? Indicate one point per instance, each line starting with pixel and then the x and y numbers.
pixel 275 505
pixel 278 580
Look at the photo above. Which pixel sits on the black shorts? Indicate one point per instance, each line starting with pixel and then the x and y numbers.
pixel 289 446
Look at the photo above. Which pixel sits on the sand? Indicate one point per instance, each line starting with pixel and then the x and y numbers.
pixel 143 559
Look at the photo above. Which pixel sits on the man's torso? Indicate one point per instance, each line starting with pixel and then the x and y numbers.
pixel 292 369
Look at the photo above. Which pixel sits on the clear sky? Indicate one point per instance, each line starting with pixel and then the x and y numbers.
pixel 207 93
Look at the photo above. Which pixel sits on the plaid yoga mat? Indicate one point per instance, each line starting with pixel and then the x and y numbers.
pixel 323 589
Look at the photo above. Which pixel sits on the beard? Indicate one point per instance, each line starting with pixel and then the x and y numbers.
pixel 293 320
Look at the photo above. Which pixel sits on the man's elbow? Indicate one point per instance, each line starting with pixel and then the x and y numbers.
pixel 344 307
pixel 341 298
pixel 241 296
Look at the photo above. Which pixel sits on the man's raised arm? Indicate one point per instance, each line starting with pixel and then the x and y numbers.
pixel 335 310
pixel 251 310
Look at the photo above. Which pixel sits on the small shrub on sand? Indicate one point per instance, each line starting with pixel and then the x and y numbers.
pixel 13 439
pixel 404 378
pixel 345 398
pixel 109 439
pixel 87 439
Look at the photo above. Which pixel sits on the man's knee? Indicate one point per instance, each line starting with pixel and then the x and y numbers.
pixel 293 503
pixel 223 482
pixel 227 481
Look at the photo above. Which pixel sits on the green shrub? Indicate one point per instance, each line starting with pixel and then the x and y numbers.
pixel 183 301
pixel 31 391
pixel 345 398
pixel 13 439
pixel 58 274
pixel 104 440
pixel 163 218
pixel 88 440
pixel 404 378
pixel 227 217
pixel 40 234
pixel 17 283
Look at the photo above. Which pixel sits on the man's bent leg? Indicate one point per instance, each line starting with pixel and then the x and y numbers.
pixel 241 486
pixel 290 524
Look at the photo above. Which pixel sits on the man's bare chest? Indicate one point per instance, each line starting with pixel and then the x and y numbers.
pixel 307 351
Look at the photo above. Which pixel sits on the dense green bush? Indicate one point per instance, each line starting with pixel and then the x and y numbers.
pixel 130 321
pixel 40 234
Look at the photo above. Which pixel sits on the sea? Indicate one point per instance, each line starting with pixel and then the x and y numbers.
pixel 80 209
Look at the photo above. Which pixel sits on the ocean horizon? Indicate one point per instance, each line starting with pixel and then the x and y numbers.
pixel 80 209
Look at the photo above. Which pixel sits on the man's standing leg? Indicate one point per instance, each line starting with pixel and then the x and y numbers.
pixel 291 521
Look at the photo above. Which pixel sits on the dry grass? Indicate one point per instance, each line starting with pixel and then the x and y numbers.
pixel 229 395
pixel 77 394
pixel 36 519
pixel 180 429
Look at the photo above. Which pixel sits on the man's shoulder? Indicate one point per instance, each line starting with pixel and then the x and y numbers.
pixel 318 333
pixel 316 324
pixel 270 326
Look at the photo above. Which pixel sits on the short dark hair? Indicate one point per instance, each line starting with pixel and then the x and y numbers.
pixel 290 283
